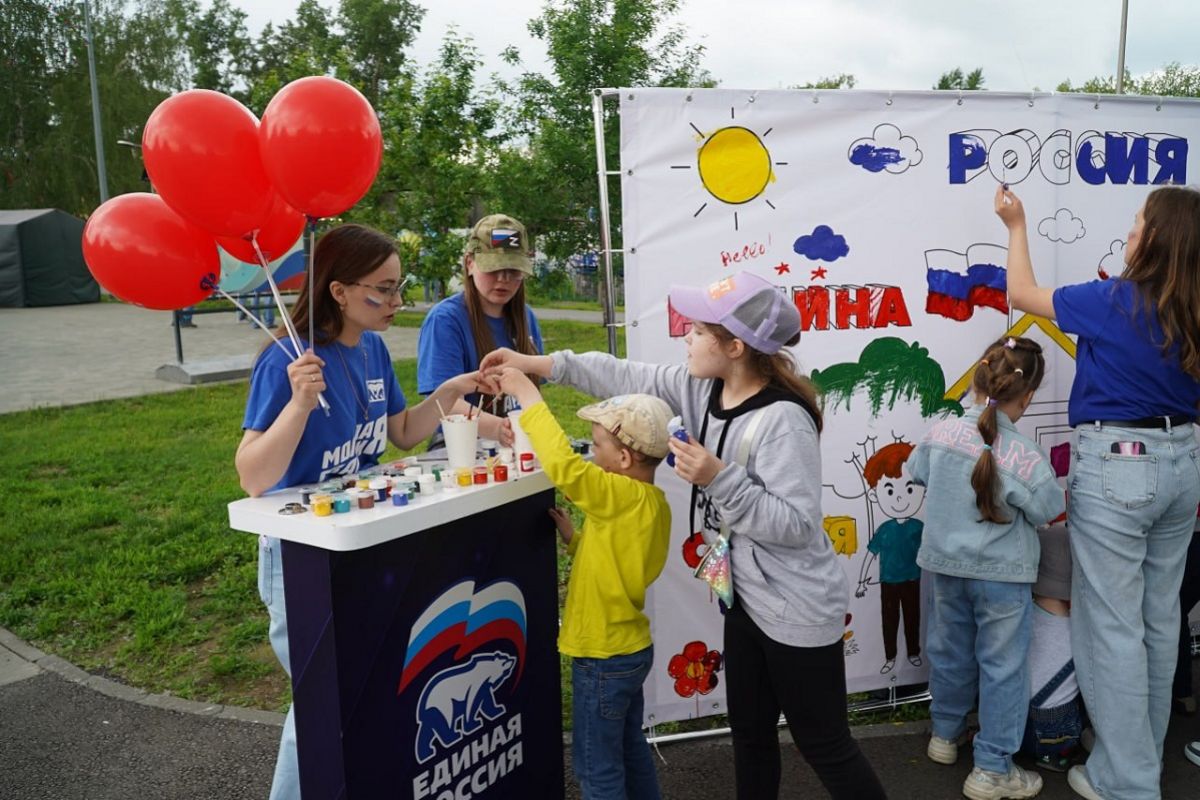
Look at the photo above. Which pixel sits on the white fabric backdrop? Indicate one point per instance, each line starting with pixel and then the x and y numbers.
pixel 858 205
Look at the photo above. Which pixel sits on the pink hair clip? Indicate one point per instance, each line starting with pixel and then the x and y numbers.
pixel 1011 344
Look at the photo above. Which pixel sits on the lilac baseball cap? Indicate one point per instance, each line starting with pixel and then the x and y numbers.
pixel 749 307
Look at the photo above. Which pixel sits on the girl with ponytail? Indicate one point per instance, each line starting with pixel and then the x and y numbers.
pixel 981 549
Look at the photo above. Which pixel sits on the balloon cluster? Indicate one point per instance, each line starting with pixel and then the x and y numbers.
pixel 223 177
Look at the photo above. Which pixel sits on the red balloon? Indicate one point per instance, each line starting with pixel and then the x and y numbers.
pixel 146 254
pixel 277 233
pixel 321 145
pixel 201 153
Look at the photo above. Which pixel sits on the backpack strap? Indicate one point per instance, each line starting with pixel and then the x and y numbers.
pixel 1053 684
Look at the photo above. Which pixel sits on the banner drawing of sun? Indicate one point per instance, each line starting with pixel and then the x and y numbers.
pixel 734 165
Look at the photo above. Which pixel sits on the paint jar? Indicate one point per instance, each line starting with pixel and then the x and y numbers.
pixel 412 472
pixel 399 498
pixel 306 495
pixel 500 473
pixel 426 484
pixel 526 462
pixel 362 483
pixel 489 447
pixel 322 505
pixel 463 477
pixel 366 498
pixel 341 504
pixel 380 487
pixel 481 476
pixel 508 455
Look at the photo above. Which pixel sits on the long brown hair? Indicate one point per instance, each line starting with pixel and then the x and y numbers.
pixel 344 254
pixel 1165 267
pixel 780 369
pixel 1009 368
pixel 516 321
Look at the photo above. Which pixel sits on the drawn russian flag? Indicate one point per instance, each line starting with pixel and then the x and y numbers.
pixel 464 620
pixel 955 294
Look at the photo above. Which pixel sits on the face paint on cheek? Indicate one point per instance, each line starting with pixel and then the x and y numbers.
pixel 371 301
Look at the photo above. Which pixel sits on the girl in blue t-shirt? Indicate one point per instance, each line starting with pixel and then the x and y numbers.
pixel 288 441
pixel 488 313
pixel 1134 481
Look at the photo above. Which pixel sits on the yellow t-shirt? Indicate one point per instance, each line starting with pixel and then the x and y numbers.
pixel 618 552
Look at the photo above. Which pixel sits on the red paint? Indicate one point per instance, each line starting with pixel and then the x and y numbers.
pixel 748 252
pixel 526 462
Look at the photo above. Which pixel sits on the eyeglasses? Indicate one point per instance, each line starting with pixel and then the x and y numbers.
pixel 388 290
pixel 507 275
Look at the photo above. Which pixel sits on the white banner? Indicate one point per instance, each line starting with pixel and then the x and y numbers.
pixel 873 212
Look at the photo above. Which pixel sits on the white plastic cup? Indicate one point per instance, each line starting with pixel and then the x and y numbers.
pixel 521 443
pixel 462 436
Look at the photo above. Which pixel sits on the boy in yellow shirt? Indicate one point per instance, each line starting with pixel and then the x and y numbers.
pixel 618 552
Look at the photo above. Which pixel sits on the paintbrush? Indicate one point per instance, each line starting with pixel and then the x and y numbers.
pixel 441 410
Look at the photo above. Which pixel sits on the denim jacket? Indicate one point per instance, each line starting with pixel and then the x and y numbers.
pixel 956 542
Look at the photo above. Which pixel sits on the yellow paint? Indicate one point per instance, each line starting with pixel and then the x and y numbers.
pixel 963 384
pixel 735 166
pixel 843 532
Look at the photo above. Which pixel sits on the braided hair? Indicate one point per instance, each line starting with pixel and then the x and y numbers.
pixel 1010 368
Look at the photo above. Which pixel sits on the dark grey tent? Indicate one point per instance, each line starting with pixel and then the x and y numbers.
pixel 41 260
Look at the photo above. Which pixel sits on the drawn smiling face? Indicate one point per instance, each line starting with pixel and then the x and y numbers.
pixel 899 498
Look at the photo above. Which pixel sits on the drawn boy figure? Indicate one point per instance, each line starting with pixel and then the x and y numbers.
pixel 895 544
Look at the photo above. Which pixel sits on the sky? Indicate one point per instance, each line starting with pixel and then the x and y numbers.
pixel 886 44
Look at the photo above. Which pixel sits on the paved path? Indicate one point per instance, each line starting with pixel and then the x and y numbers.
pixel 65 355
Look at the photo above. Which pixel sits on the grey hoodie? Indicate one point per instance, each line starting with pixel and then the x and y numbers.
pixel 785 572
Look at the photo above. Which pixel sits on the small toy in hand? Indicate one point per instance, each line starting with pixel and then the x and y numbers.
pixel 675 428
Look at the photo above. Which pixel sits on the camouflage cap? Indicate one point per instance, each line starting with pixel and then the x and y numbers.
pixel 639 421
pixel 499 242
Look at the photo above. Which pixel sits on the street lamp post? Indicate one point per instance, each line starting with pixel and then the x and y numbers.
pixel 100 171
pixel 1121 48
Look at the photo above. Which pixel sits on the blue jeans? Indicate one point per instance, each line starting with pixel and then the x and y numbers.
pixel 978 640
pixel 1131 521
pixel 286 784
pixel 609 752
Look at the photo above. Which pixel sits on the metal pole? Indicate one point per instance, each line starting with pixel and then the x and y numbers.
pixel 101 174
pixel 610 313
pixel 1121 48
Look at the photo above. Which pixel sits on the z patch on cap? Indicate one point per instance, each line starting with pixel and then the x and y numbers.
pixel 506 239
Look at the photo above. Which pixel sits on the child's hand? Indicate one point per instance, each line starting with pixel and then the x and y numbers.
pixel 515 382
pixel 1009 208
pixel 462 385
pixel 693 463
pixel 562 521
pixel 502 358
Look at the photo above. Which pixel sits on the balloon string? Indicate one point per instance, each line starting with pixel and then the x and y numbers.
pixel 256 321
pixel 312 249
pixel 283 313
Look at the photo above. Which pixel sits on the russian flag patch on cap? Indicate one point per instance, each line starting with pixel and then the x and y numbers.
pixel 506 239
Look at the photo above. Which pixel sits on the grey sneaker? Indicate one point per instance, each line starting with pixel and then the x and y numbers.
pixel 1077 779
pixel 1192 751
pixel 984 785
pixel 945 751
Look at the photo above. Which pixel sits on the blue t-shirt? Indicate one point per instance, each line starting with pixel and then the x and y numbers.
pixel 896 542
pixel 1120 370
pixel 446 347
pixel 342 443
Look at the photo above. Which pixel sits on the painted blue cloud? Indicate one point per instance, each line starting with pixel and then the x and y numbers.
pixel 822 245
pixel 874 159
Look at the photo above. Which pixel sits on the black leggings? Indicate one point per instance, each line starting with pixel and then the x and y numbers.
pixel 809 685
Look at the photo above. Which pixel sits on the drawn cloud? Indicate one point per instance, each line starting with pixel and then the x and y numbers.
pixel 822 245
pixel 1063 227
pixel 890 370
pixel 886 149
pixel 1114 262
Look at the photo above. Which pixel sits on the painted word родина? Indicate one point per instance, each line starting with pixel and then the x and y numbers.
pixel 1098 158
pixel 870 306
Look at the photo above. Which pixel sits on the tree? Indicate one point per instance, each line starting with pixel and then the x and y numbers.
pixel 377 34
pixel 546 177
pixel 220 51
pixel 1173 80
pixel 954 79
pixel 841 81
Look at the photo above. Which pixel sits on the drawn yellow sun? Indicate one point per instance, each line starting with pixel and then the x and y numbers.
pixel 735 166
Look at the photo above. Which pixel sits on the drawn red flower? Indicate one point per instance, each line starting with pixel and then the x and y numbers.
pixel 695 669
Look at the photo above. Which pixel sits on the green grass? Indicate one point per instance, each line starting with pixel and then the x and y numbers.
pixel 115 552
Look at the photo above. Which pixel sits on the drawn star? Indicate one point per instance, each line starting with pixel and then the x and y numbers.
pixel 782 268
pixel 819 272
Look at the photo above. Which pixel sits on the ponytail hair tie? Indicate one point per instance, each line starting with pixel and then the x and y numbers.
pixel 983 361
pixel 1019 371
pixel 991 401
pixel 987 447
pixel 1011 343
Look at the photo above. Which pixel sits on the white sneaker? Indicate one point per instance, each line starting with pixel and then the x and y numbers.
pixel 945 751
pixel 1018 783
pixel 1192 751
pixel 1077 779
